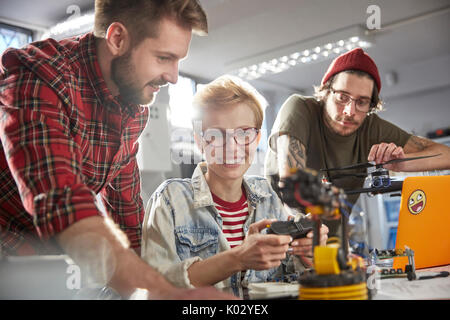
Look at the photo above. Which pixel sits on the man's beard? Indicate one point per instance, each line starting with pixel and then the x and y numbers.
pixel 332 123
pixel 122 73
pixel 345 119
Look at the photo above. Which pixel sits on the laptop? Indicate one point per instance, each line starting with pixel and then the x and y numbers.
pixel 424 221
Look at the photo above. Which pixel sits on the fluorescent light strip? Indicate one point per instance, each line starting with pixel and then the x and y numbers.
pixel 311 55
pixel 71 27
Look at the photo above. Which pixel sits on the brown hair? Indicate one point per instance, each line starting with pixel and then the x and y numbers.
pixel 321 92
pixel 141 17
pixel 228 91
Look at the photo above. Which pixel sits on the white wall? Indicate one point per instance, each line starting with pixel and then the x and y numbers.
pixel 420 101
pixel 420 112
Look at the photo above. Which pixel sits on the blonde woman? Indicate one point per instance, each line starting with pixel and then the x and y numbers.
pixel 207 230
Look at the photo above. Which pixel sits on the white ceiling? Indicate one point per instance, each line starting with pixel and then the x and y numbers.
pixel 40 13
pixel 246 28
pixel 240 29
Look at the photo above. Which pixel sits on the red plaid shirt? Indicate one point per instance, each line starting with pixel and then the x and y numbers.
pixel 64 138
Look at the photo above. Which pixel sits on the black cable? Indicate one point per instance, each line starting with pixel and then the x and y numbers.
pixel 441 274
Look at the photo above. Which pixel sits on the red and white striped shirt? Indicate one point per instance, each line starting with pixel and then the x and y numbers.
pixel 233 216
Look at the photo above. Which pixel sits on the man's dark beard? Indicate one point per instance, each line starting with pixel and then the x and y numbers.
pixel 328 121
pixel 122 73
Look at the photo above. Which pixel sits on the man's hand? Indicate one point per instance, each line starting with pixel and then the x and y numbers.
pixel 384 152
pixel 262 251
pixel 414 147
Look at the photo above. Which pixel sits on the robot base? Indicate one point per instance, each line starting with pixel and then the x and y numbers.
pixel 347 285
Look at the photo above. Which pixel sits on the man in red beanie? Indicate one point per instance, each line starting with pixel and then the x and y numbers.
pixel 338 127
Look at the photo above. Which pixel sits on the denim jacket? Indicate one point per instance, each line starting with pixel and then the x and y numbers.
pixel 182 226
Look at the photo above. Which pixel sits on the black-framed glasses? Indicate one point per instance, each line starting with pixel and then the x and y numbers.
pixel 361 104
pixel 218 137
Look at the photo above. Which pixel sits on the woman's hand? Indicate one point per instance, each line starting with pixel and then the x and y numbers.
pixel 303 247
pixel 262 251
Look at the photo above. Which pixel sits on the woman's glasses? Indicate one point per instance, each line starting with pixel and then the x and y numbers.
pixel 219 137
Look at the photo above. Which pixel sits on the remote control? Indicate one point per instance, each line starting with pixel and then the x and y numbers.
pixel 295 229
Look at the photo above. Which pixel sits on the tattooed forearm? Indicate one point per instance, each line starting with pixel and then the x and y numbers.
pixel 296 154
pixel 417 144
pixel 291 154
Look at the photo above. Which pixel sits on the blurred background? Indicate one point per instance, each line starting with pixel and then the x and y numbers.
pixel 281 47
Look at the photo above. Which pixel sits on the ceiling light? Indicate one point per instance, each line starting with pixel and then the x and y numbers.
pixel 309 51
pixel 305 59
pixel 71 27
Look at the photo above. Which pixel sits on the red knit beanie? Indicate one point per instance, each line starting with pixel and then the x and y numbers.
pixel 355 59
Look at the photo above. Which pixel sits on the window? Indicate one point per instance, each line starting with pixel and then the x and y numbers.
pixel 13 37
pixel 183 149
pixel 180 102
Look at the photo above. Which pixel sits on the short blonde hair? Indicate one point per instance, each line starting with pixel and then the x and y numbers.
pixel 226 91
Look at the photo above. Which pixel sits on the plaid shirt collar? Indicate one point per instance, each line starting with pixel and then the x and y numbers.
pixel 89 58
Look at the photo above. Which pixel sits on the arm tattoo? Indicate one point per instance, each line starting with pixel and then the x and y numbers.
pixel 418 143
pixel 296 154
pixel 291 153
